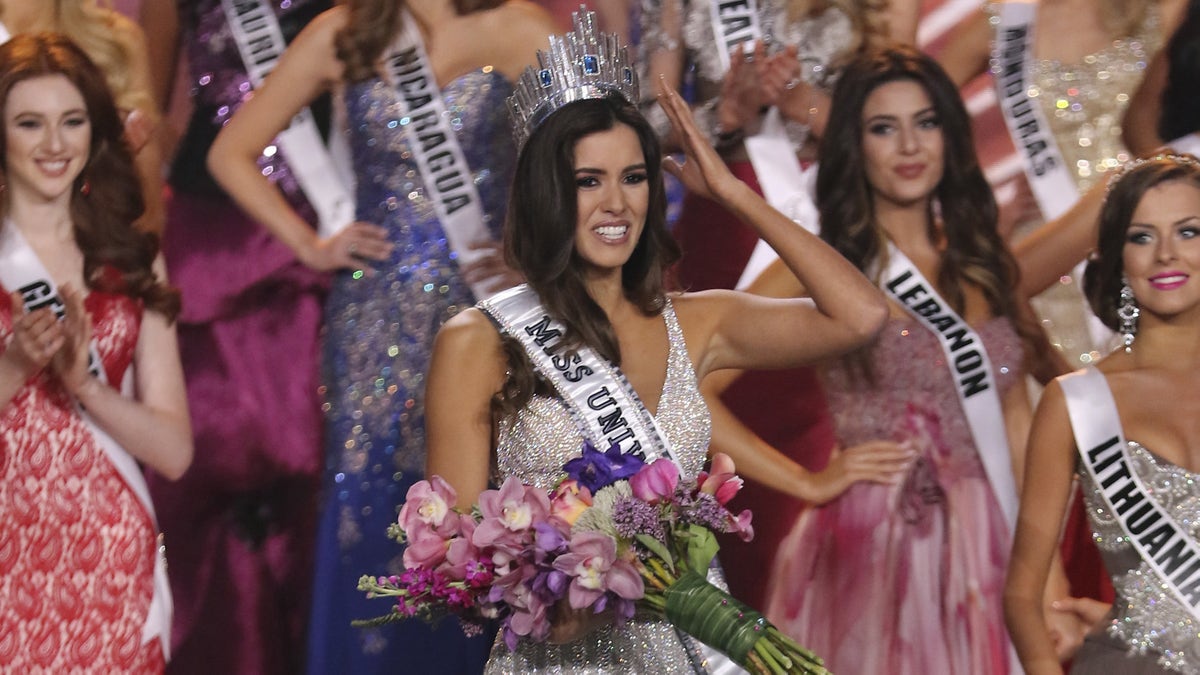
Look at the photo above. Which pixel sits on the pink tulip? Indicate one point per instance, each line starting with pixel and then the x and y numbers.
pixel 656 481
pixel 720 481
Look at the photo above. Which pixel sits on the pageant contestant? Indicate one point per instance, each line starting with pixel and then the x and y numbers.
pixel 423 85
pixel 1127 427
pixel 91 388
pixel 248 341
pixel 587 229
pixel 908 578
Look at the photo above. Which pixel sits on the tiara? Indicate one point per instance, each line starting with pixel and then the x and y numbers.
pixel 1127 167
pixel 579 65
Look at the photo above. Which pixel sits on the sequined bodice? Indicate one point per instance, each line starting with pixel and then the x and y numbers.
pixel 535 444
pixel 1085 102
pixel 219 86
pixel 913 396
pixel 1145 617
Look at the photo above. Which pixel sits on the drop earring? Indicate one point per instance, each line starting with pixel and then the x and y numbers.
pixel 1128 312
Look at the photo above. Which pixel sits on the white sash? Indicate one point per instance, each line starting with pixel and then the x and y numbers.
pixel 1189 144
pixel 596 392
pixel 970 368
pixel 1163 543
pixel 1012 67
pixel 22 271
pixel 5 36
pixel 444 169
pixel 260 43
pixel 770 150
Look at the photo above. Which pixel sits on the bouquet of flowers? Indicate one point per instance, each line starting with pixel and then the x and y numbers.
pixel 615 535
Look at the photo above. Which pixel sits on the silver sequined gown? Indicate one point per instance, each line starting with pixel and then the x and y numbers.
pixel 533 446
pixel 1148 631
pixel 1084 103
pixel 378 339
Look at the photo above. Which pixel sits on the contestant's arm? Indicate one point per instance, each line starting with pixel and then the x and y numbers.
pixel 1139 127
pixel 160 24
pixel 1054 248
pixel 308 68
pixel 154 426
pixel 466 370
pixel 966 53
pixel 1047 489
pixel 143 123
pixel 745 331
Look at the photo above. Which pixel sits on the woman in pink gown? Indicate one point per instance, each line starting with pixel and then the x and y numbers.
pixel 907 577
pixel 81 578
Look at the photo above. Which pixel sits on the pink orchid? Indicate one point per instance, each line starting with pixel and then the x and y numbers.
pixel 720 481
pixel 594 569
pixel 508 514
pixel 430 504
pixel 426 549
pixel 656 481
pixel 569 500
pixel 741 525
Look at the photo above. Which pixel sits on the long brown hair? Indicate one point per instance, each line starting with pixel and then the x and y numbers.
pixel 372 24
pixel 974 252
pixel 107 198
pixel 539 235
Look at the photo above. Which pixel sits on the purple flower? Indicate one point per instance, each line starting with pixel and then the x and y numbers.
pixel 633 517
pixel 594 569
pixel 595 469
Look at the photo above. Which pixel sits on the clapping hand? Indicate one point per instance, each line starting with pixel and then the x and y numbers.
pixel 37 337
pixel 70 362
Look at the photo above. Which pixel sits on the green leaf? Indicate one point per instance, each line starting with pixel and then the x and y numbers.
pixel 657 548
pixel 702 547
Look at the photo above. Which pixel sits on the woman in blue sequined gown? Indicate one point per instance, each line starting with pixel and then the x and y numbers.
pixel 397 281
pixel 1148 258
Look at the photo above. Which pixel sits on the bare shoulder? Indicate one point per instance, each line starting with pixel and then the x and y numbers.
pixel 517 29
pixel 470 332
pixel 698 312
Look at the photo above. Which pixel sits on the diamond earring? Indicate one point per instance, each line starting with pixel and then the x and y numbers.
pixel 1127 312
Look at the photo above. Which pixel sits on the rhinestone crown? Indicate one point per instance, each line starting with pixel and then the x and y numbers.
pixel 579 65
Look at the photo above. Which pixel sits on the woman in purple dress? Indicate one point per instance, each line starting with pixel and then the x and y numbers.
pixel 241 522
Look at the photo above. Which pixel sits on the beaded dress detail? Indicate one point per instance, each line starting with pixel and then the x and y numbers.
pixel 1084 103
pixel 1147 622
pixel 904 578
pixel 533 446
pixel 378 341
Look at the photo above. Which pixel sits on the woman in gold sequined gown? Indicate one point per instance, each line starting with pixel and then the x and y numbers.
pixel 1150 239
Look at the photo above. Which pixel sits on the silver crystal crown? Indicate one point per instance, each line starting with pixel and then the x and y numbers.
pixel 579 65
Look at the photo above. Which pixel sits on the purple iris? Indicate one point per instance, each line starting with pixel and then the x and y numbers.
pixel 595 469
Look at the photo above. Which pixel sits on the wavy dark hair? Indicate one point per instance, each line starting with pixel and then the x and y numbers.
pixel 1181 97
pixel 106 199
pixel 1102 276
pixel 966 212
pixel 372 24
pixel 539 235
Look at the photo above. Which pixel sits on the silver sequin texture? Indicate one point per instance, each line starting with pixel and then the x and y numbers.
pixel 533 447
pixel 1146 617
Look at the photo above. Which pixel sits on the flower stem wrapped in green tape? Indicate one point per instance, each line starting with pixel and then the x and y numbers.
pixel 720 621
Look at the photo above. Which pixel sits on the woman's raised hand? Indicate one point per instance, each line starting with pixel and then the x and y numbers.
pixel 703 171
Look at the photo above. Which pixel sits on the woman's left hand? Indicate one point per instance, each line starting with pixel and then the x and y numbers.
pixel 489 270
pixel 703 171
pixel 71 361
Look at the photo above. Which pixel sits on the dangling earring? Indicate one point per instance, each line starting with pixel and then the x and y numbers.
pixel 1128 312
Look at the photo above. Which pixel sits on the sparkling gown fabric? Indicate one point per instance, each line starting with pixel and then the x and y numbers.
pixel 76 547
pixel 533 446
pixel 379 336
pixel 1148 630
pixel 1084 103
pixel 904 579
pixel 241 521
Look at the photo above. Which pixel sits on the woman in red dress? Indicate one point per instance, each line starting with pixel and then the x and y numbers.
pixel 86 316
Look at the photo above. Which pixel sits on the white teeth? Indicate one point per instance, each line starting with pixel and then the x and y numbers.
pixel 1174 278
pixel 58 165
pixel 612 231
